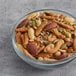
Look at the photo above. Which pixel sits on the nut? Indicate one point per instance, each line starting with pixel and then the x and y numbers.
pixel 32 48
pixel 40 58
pixel 50 26
pixel 64 55
pixel 23 23
pixel 58 53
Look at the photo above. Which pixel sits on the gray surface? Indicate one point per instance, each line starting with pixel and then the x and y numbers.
pixel 10 12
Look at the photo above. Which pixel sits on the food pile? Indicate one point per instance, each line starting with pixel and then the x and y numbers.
pixel 47 36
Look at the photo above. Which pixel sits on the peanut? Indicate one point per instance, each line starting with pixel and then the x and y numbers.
pixel 40 58
pixel 58 53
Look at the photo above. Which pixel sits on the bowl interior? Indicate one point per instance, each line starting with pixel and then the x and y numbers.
pixel 26 58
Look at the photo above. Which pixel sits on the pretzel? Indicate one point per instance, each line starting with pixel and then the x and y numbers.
pixel 40 28
pixel 24 50
pixel 57 33
pixel 18 38
pixel 47 17
pixel 26 39
pixel 57 47
pixel 64 25
pixel 21 29
pixel 74 43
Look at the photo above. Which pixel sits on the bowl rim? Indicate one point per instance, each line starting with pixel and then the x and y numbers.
pixel 61 61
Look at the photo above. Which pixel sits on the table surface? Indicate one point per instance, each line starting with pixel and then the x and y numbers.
pixel 10 12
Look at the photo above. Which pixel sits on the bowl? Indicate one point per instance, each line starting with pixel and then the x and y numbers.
pixel 36 63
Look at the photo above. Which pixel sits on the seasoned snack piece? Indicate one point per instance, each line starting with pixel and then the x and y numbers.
pixel 47 17
pixel 63 51
pixel 24 50
pixel 74 44
pixel 40 58
pixel 50 26
pixel 32 48
pixel 21 29
pixel 64 55
pixel 41 48
pixel 38 22
pixel 48 47
pixel 50 13
pixel 23 23
pixel 31 34
pixel 69 19
pixel 64 25
pixel 26 39
pixel 43 55
pixel 33 15
pixel 23 38
pixel 51 38
pixel 40 28
pixel 57 47
pixel 57 33
pixel 70 50
pixel 62 16
pixel 48 59
pixel 58 53
pixel 18 38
